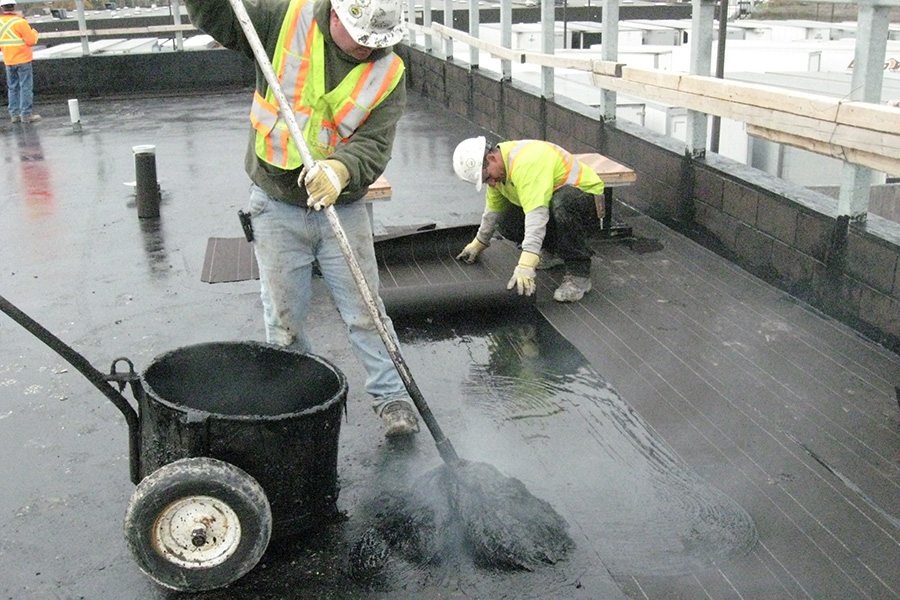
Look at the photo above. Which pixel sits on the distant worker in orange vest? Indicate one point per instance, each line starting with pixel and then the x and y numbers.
pixel 16 39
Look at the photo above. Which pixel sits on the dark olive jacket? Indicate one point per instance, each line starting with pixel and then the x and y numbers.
pixel 367 152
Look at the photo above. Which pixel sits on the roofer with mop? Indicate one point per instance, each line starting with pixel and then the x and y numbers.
pixel 540 196
pixel 505 524
pixel 347 89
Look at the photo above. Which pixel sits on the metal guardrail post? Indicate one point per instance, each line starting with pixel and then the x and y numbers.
pixel 506 38
pixel 548 31
pixel 701 61
pixel 82 27
pixel 176 17
pixel 609 51
pixel 868 76
pixel 474 22
pixel 448 22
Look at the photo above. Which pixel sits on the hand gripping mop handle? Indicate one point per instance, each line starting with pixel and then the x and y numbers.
pixel 445 448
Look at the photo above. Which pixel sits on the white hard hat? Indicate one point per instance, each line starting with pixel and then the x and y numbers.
pixel 8 3
pixel 371 23
pixel 468 159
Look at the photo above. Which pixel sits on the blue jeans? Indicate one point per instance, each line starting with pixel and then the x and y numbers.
pixel 20 82
pixel 287 239
pixel 573 216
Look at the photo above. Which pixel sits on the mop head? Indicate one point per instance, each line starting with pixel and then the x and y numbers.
pixel 469 507
pixel 505 525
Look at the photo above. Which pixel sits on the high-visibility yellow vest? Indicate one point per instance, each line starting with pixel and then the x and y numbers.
pixel 534 170
pixel 16 39
pixel 326 119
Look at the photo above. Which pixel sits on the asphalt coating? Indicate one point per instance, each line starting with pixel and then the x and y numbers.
pixel 688 422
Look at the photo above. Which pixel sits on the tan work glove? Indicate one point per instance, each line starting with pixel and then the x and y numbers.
pixel 471 251
pixel 324 182
pixel 524 274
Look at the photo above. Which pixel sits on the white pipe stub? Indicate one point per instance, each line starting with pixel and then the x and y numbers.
pixel 74 113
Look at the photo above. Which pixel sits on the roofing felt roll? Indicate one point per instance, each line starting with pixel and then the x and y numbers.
pixel 477 296
pixel 419 273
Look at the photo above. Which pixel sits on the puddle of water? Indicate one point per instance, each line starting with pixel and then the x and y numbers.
pixel 528 402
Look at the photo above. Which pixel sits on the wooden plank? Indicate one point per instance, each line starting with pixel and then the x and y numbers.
pixel 380 190
pixel 821 107
pixel 558 62
pixel 152 29
pixel 610 171
pixel 865 140
pixel 607 67
pixel 811 106
pixel 873 161
pixel 492 49
pixel 867 115
pixel 612 174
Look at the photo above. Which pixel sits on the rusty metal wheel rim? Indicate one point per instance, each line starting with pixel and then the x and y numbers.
pixel 197 532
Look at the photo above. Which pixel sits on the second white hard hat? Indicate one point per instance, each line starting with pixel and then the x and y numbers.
pixel 371 23
pixel 468 159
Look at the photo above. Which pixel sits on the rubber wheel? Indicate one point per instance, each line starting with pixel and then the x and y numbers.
pixel 198 524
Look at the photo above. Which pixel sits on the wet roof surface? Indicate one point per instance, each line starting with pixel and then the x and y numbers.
pixel 704 434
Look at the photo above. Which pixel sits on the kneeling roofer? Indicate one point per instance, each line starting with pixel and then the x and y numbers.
pixel 539 196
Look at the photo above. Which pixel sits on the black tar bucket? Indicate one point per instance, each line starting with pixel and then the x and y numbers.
pixel 272 412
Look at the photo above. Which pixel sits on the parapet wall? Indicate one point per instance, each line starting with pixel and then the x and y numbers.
pixel 785 234
pixel 151 73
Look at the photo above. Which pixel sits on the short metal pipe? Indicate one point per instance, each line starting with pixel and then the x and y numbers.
pixel 146 185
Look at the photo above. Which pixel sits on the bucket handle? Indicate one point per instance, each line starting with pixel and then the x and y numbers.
pixel 100 381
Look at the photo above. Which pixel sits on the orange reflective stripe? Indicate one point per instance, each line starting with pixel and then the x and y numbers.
pixel 303 72
pixel 292 29
pixel 263 115
pixel 386 82
pixel 256 124
pixel 285 141
pixel 350 104
pixel 327 133
pixel 514 153
pixel 568 166
pixel 572 176
pixel 270 153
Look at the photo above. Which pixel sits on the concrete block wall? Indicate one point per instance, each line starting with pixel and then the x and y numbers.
pixel 785 234
pixel 197 71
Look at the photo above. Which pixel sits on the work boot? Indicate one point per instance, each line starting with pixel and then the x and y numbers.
pixel 399 419
pixel 549 261
pixel 15 119
pixel 31 118
pixel 572 289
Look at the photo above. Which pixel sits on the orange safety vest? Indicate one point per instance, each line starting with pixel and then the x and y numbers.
pixel 16 39
pixel 326 119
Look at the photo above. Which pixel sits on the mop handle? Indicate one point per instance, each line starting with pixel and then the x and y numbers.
pixel 445 448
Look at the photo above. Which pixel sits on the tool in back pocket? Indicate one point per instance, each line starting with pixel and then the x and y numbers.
pixel 246 225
